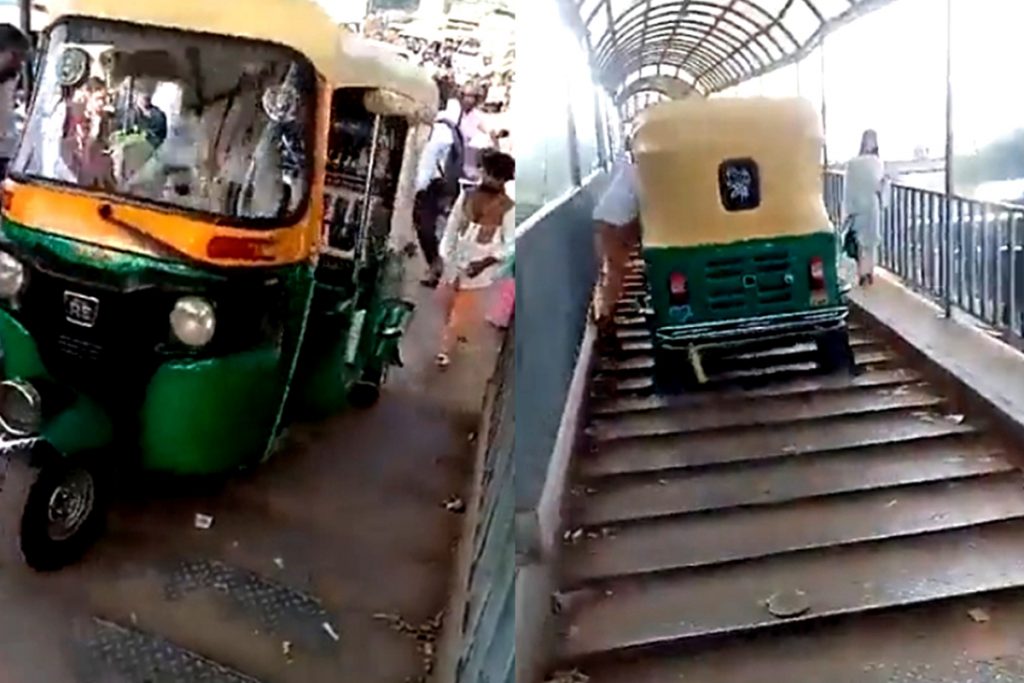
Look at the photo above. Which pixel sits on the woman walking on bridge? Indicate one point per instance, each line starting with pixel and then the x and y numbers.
pixel 477 242
pixel 863 204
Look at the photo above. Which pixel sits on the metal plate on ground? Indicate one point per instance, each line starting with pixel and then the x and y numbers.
pixel 109 653
pixel 277 608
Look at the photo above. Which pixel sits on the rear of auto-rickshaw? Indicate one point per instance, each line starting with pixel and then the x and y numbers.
pixel 739 249
pixel 173 289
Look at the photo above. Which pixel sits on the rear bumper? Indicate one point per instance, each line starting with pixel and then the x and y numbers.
pixel 738 332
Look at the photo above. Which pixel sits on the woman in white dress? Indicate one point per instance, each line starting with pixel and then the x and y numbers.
pixel 866 186
pixel 479 238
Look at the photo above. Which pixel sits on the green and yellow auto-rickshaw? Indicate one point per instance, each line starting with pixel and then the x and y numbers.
pixel 196 247
pixel 738 247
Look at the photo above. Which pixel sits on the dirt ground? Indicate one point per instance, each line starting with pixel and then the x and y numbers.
pixel 320 566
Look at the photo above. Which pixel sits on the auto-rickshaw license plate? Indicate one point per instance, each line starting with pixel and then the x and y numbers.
pixel 80 309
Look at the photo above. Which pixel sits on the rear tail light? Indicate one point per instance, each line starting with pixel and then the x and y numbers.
pixel 817 273
pixel 678 288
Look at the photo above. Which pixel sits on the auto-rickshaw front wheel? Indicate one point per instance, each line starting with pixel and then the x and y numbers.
pixel 50 513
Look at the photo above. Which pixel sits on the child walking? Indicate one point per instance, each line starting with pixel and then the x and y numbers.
pixel 479 237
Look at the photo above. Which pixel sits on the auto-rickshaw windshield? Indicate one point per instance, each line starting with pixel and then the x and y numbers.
pixel 206 124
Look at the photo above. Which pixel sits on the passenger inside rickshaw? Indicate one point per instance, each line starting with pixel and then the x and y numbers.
pixel 181 121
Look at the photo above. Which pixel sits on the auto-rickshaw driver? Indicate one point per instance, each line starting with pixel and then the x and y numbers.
pixel 188 163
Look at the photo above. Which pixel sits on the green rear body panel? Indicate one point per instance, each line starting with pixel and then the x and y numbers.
pixel 743 280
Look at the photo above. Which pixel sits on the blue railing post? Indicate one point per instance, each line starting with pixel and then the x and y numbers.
pixel 920 239
pixel 947 288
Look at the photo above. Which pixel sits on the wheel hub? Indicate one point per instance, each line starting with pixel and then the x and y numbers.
pixel 70 505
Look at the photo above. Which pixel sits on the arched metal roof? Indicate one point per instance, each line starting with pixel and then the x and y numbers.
pixel 669 86
pixel 708 44
pixel 637 101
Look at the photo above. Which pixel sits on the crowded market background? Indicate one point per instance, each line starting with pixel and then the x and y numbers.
pixel 462 42
pixel 470 45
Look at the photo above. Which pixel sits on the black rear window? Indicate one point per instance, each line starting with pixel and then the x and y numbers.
pixel 739 184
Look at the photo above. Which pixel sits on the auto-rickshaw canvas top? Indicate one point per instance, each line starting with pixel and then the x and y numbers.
pixel 684 149
pixel 299 24
pixel 343 58
pixel 404 89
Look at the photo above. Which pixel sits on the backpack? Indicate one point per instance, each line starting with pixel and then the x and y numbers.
pixel 451 167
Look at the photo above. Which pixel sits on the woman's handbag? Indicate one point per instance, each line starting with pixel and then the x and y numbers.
pixel 851 244
pixel 503 300
pixel 503 303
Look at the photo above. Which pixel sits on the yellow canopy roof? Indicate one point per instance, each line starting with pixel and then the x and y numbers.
pixel 372 65
pixel 680 147
pixel 738 119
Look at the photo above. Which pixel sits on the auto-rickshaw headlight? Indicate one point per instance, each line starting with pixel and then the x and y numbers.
pixel 20 408
pixel 193 321
pixel 12 275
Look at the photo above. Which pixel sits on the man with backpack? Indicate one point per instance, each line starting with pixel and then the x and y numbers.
pixel 437 184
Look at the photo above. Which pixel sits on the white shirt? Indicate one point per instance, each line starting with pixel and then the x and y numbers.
pixel 472 123
pixel 461 249
pixel 476 137
pixel 865 177
pixel 441 140
pixel 619 205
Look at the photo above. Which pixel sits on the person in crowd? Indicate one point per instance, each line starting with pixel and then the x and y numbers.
pixel 478 239
pixel 437 185
pixel 617 224
pixel 446 88
pixel 862 205
pixel 14 48
pixel 147 117
pixel 475 131
pixel 88 128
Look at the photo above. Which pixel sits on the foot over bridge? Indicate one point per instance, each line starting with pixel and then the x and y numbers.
pixel 782 524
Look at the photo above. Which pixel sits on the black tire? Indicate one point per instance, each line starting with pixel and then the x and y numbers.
pixel 835 353
pixel 365 393
pixel 673 373
pixel 63 516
